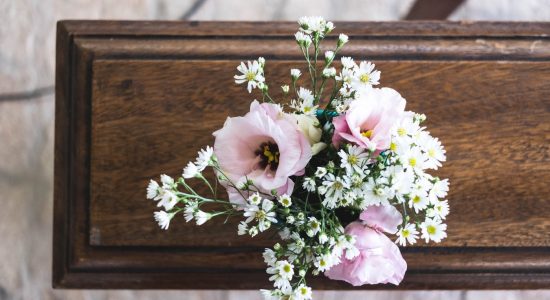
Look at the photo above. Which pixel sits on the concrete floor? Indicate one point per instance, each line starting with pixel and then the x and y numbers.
pixel 27 45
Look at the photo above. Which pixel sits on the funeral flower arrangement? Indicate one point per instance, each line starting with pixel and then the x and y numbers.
pixel 335 171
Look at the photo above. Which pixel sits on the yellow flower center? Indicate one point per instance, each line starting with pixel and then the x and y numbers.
pixel 367 133
pixel 250 75
pixel 307 109
pixel 393 147
pixel 431 229
pixel 364 78
pixel 352 159
pixel 431 152
pixel 405 233
pixel 303 291
pixel 401 131
pixel 338 185
pixel 286 268
pixel 416 199
pixel 412 161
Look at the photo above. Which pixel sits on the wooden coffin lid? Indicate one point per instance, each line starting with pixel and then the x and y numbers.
pixel 137 99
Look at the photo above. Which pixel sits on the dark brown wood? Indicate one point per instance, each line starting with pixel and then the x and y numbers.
pixel 432 9
pixel 137 99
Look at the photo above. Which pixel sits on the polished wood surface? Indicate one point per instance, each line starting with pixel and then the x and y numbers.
pixel 137 99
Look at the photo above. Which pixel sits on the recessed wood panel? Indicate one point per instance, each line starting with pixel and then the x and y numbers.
pixel 137 99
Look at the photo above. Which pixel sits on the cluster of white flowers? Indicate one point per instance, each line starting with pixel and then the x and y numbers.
pixel 346 178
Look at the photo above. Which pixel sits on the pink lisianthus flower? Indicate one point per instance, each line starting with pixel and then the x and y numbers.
pixel 264 147
pixel 379 259
pixel 369 119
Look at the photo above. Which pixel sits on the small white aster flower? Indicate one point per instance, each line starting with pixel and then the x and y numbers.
pixel 169 200
pixel 263 215
pixel 329 55
pixel 375 193
pixel 439 190
pixel 313 226
pixel 323 238
pixel 303 39
pixel 202 217
pixel 320 172
pixel 242 228
pixel 354 159
pixel 295 73
pixel 342 39
pixel 205 158
pixel 190 209
pixel 285 200
pixel 433 230
pixel 329 72
pixel 270 258
pixel 302 292
pixel 163 218
pixel 284 234
pixel 282 272
pixel 253 231
pixel 324 262
pixel 414 159
pixel 255 199
pixel 365 76
pixel 335 187
pixel 407 235
pixel 251 73
pixel 309 184
pixel 290 219
pixel 191 171
pixel 348 63
pixel 440 210
pixel 419 201
pixel 167 181
pixel 153 190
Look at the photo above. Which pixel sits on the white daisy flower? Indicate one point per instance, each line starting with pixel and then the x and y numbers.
pixel 323 238
pixel 414 159
pixel 309 184
pixel 440 210
pixel 169 200
pixel 251 73
pixel 434 151
pixel 407 127
pixel 284 233
pixel 407 235
pixel 167 181
pixel 290 219
pixel 320 172
pixel 190 210
pixel 302 292
pixel 285 200
pixel 253 231
pixel 264 216
pixel 335 187
pixel 270 258
pixel 163 218
pixel 375 193
pixel 255 199
pixel 242 228
pixel 303 39
pixel 418 200
pixel 314 24
pixel 354 159
pixel 346 76
pixel 295 73
pixel 365 76
pixel 439 190
pixel 202 217
pixel 348 63
pixel 433 230
pixel 329 55
pixel 191 171
pixel 329 72
pixel 325 262
pixel 153 190
pixel 205 158
pixel 342 39
pixel 313 226
pixel 282 272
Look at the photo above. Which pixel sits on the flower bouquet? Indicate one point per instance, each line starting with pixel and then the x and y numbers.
pixel 334 171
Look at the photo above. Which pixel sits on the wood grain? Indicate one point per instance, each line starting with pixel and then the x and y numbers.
pixel 136 99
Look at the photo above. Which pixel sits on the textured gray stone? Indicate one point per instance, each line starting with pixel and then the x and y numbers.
pixel 27 60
